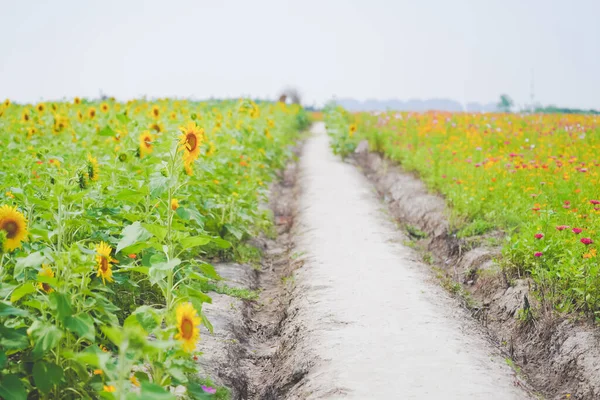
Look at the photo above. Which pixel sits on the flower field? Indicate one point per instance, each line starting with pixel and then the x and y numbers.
pixel 534 176
pixel 109 216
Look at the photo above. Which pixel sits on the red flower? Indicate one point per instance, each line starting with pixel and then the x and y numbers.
pixel 577 231
pixel 595 201
pixel 538 254
pixel 586 241
pixel 539 235
pixel 562 227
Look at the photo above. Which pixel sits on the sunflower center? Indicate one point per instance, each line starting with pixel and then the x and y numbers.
pixel 187 329
pixel 147 142
pixel 46 287
pixel 104 264
pixel 11 228
pixel 191 142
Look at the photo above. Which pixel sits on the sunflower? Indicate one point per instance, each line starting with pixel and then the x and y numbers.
pixel 146 139
pixel 155 112
pixel 25 117
pixel 103 262
pixel 352 129
pixel 155 126
pixel 14 225
pixel 188 322
pixel 46 271
pixel 40 108
pixel 79 115
pixel 104 107
pixel 190 141
pixel 174 204
pixel 77 100
pixel 92 112
pixel 60 123
pixel 92 167
pixel 6 102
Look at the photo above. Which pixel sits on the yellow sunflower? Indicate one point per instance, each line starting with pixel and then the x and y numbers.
pixel 104 107
pixel 40 108
pixel 6 102
pixel 104 262
pixel 25 117
pixel 174 204
pixel 155 112
pixel 92 112
pixel 352 129
pixel 158 128
pixel 14 225
pixel 92 167
pixel 146 139
pixel 77 100
pixel 190 141
pixel 188 323
pixel 46 271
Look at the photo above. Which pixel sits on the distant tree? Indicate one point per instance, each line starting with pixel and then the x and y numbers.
pixel 506 103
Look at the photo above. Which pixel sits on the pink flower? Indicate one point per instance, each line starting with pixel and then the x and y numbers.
pixel 586 241
pixel 538 254
pixel 539 235
pixel 562 227
pixel 209 389
pixel 577 231
pixel 595 202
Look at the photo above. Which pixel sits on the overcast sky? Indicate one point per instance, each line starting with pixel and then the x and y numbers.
pixel 468 50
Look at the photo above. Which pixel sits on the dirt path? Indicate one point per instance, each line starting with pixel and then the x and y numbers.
pixel 377 325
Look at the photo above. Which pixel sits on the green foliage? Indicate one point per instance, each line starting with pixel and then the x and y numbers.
pixel 120 231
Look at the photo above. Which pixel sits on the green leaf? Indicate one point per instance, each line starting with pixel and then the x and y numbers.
pixel 189 242
pixel 13 339
pixel 113 334
pixel 222 243
pixel 82 325
pixel 91 356
pixel 147 317
pixel 132 234
pixel 208 270
pixel 152 391
pixel 46 375
pixel 3 359
pixel 198 295
pixel 7 310
pixel 206 322
pixel 157 230
pixel 107 131
pixel 122 118
pixel 21 291
pixel 158 184
pixel 33 260
pixel 11 388
pixel 61 304
pixel 159 271
pixel 235 231
pixel 46 338
pixel 132 196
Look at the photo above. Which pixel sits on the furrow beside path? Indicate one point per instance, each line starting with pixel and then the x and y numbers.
pixel 373 316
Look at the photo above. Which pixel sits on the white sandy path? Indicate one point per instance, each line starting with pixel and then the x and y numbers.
pixel 380 327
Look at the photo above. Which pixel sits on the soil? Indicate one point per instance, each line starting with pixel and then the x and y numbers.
pixel 558 355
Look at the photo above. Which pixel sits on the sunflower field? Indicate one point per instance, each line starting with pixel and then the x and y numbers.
pixel 110 214
pixel 536 177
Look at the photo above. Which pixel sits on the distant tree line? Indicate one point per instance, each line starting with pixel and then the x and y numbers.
pixel 506 104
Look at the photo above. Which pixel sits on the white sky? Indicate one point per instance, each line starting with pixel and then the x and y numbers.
pixel 468 50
